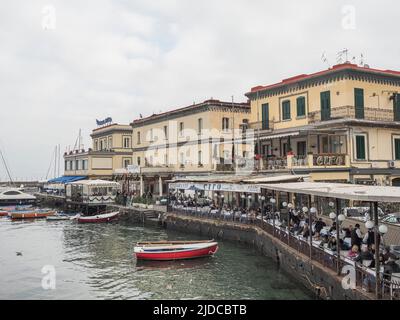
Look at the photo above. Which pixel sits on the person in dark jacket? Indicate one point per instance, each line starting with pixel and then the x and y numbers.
pixel 356 236
pixel 319 225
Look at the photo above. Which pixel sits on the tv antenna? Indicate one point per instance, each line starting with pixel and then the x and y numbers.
pixel 340 54
pixel 325 59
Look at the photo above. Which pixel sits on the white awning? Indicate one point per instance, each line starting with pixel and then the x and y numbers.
pixel 340 191
pixel 282 135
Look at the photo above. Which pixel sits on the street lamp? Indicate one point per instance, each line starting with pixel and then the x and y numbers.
pixel 369 224
pixel 341 218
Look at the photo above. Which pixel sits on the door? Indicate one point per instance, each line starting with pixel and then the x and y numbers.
pixel 265 116
pixel 325 105
pixel 359 103
pixel 396 107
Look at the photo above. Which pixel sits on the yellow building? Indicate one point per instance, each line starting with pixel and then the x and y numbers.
pixel 193 140
pixel 340 124
pixel 110 155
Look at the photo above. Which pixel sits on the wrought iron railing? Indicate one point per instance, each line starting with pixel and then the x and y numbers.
pixel 365 277
pixel 376 114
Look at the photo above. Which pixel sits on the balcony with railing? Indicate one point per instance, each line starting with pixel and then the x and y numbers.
pixel 350 112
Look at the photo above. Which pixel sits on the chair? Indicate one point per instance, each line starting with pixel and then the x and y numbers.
pixel 394 283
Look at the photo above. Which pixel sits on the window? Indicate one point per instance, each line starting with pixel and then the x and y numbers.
pixel 110 143
pixel 301 148
pixel 65 165
pixel 182 159
pixel 181 127
pixel 138 161
pixel 166 132
pixel 325 105
pixel 166 159
pixel 200 158
pixel 77 165
pixel 265 116
pixel 199 125
pixel 397 148
pixel 127 162
pixel 285 149
pixel 396 107
pixel 225 124
pixel 301 106
pixel 127 142
pixel 359 103
pixel 85 164
pixel 286 110
pixel 151 135
pixel 360 147
pixel 101 145
pixel 96 145
pixel 138 138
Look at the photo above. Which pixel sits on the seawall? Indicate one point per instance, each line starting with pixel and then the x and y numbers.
pixel 325 283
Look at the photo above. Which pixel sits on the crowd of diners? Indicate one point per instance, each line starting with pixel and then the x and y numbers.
pixel 353 243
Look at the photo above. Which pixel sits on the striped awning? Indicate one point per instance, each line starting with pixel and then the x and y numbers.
pixel 282 135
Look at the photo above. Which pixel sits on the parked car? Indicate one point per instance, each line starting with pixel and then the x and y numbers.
pixel 361 213
pixel 393 218
pixel 395 249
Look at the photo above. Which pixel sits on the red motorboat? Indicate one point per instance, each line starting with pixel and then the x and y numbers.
pixel 175 250
pixel 106 217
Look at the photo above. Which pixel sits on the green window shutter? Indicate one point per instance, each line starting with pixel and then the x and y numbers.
pixel 396 109
pixel 359 103
pixel 397 149
pixel 325 105
pixel 286 110
pixel 265 116
pixel 360 147
pixel 301 106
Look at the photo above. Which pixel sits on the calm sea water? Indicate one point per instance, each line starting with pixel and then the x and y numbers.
pixel 96 262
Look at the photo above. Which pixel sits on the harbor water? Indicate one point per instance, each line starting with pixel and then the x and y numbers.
pixel 67 260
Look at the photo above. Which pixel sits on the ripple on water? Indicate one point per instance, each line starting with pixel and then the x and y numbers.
pixel 96 262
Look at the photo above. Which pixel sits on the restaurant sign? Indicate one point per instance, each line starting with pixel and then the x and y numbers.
pixel 329 160
pixel 223 187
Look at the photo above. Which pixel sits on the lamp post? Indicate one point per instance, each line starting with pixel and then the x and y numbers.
pixel 273 202
pixel 377 247
pixel 313 211
pixel 262 198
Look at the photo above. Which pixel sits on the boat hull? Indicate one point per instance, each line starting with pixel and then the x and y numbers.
pixel 178 255
pixel 99 218
pixel 31 215
pixel 3 213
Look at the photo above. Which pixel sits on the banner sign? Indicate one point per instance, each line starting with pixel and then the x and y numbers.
pixel 133 168
pixel 329 160
pixel 104 122
pixel 223 187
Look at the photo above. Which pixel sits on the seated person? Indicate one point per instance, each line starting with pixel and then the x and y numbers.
pixel 324 241
pixel 353 253
pixel 317 236
pixel 365 255
pixel 332 244
pixel 305 232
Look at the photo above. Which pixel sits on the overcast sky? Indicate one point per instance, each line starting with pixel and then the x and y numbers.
pixel 61 70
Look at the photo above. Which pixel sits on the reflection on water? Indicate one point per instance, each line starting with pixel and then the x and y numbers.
pixel 95 261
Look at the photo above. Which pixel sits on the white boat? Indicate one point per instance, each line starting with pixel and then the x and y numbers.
pixel 15 196
pixel 106 217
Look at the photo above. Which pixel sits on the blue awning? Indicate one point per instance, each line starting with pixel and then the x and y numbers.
pixel 67 179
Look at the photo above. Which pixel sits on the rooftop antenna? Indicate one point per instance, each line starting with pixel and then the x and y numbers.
pixel 362 60
pixel 325 59
pixel 339 56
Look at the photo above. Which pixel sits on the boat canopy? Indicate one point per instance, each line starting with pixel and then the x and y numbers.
pixel 66 179
pixel 96 183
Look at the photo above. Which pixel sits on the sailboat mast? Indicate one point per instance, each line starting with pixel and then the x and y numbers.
pixel 7 170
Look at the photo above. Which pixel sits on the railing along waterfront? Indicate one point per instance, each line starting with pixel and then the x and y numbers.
pixel 365 277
